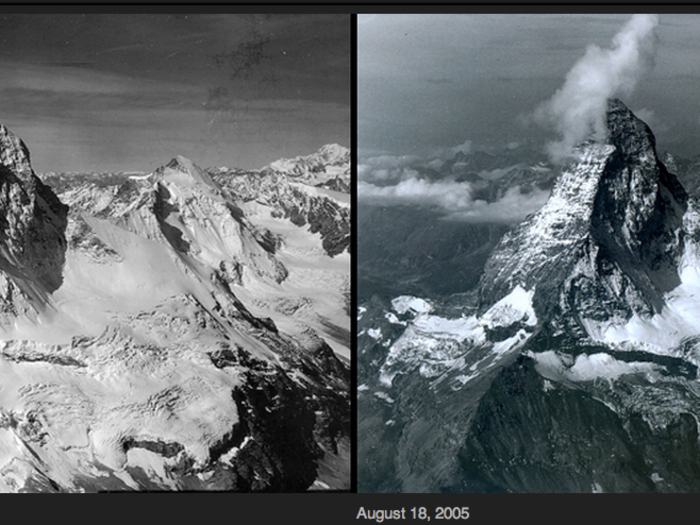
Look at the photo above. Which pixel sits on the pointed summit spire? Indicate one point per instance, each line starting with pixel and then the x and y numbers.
pixel 630 135
pixel 607 243
pixel 14 154
pixel 182 170
pixel 32 233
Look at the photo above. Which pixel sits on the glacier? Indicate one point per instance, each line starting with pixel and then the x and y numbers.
pixel 187 339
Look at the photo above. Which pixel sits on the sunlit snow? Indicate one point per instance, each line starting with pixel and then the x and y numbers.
pixel 406 302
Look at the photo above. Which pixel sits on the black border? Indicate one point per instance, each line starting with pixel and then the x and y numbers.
pixel 353 244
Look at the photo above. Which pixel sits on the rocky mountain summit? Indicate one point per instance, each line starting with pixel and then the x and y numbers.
pixel 33 240
pixel 572 367
pixel 160 333
pixel 607 243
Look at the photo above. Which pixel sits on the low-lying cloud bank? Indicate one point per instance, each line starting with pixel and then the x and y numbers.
pixel 454 199
pixel 387 169
pixel 409 180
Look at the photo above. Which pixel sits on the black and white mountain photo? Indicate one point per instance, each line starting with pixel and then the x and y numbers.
pixel 175 253
pixel 528 253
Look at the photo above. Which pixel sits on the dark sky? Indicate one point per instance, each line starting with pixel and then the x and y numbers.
pixel 129 92
pixel 436 81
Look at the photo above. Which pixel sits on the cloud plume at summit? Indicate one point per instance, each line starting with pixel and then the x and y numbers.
pixel 577 109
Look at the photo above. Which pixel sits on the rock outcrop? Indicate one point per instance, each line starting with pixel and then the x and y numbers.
pixel 608 242
pixel 32 233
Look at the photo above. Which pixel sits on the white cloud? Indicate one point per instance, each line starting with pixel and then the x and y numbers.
pixel 455 200
pixel 396 168
pixel 450 195
pixel 513 207
pixel 387 168
pixel 578 108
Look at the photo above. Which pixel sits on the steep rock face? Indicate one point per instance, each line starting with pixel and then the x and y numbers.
pixel 32 228
pixel 608 241
pixel 531 434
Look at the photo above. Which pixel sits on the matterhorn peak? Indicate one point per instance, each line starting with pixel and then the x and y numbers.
pixel 630 135
pixel 607 243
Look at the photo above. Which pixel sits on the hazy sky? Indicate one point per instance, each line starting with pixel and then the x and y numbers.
pixel 437 81
pixel 129 92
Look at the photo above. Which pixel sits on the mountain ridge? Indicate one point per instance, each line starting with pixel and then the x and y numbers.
pixel 575 370
pixel 602 224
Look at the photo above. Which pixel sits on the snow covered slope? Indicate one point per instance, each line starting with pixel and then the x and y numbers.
pixel 313 192
pixel 166 355
pixel 330 162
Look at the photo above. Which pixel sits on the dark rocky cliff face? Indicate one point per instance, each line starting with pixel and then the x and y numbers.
pixel 607 246
pixel 638 211
pixel 32 232
pixel 531 436
pixel 607 243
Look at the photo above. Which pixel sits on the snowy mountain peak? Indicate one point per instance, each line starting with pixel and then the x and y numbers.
pixel 182 170
pixel 152 330
pixel 607 243
pixel 334 153
pixel 181 163
pixel 331 161
pixel 586 324
pixel 32 226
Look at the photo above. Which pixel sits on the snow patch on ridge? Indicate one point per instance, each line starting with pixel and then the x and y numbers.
pixel 375 333
pixel 393 319
pixel 590 367
pixel 416 305
pixel 516 306
pixel 435 345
